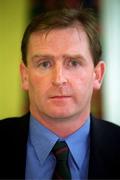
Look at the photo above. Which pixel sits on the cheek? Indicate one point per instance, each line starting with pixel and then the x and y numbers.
pixel 38 84
pixel 83 83
pixel 79 81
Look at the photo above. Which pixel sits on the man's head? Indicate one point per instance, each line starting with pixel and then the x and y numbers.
pixel 62 67
pixel 61 19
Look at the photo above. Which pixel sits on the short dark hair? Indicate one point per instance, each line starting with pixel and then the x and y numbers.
pixel 62 19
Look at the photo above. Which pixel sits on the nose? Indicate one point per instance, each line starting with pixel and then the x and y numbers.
pixel 59 76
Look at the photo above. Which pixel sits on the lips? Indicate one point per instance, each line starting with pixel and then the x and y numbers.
pixel 60 97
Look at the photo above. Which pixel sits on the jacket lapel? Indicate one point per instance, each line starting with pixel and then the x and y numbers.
pixel 22 146
pixel 104 160
pixel 96 162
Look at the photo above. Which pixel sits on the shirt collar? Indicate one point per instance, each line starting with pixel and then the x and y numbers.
pixel 43 137
pixel 79 142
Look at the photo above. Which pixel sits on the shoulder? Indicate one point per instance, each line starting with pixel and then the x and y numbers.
pixel 104 149
pixel 13 120
pixel 13 124
pixel 105 132
pixel 103 125
pixel 13 141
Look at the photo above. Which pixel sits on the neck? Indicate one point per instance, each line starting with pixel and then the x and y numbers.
pixel 62 127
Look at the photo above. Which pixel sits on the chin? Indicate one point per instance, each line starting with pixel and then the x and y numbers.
pixel 59 115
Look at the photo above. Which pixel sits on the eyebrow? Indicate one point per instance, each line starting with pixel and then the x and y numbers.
pixel 41 56
pixel 74 56
pixel 37 56
pixel 77 56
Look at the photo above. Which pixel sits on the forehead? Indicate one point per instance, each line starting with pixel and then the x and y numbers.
pixel 76 29
pixel 59 40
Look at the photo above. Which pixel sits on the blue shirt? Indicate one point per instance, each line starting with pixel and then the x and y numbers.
pixel 40 162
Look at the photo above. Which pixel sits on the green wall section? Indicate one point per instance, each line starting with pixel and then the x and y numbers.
pixel 13 17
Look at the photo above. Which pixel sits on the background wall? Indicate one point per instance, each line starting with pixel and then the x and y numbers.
pixel 14 15
pixel 110 22
pixel 13 18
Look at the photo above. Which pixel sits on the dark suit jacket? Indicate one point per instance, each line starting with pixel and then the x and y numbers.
pixel 104 160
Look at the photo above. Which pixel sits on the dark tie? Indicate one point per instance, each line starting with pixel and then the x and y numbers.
pixel 61 151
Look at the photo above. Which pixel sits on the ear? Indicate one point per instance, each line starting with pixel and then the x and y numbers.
pixel 99 74
pixel 24 76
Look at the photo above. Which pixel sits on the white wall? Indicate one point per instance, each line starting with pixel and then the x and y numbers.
pixel 110 22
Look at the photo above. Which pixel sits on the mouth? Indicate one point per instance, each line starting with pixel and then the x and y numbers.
pixel 60 97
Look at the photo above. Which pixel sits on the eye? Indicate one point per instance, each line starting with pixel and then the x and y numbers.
pixel 73 63
pixel 45 64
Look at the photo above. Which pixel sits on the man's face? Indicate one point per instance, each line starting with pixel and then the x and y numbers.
pixel 60 75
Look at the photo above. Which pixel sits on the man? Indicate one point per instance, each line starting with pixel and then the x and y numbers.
pixel 61 68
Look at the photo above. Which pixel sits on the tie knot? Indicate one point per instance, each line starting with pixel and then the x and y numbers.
pixel 61 151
